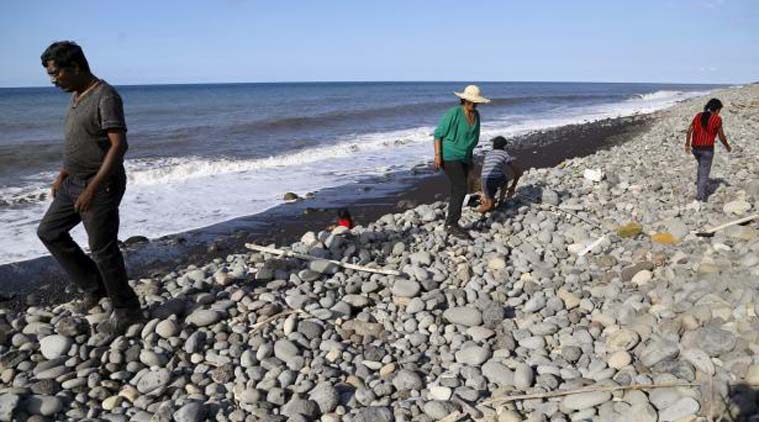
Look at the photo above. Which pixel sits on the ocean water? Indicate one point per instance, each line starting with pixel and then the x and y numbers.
pixel 203 154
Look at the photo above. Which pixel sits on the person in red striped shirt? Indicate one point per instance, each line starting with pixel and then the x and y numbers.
pixel 700 141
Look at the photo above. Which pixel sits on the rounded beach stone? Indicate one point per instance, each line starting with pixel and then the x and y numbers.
pixel 43 405
pixel 8 404
pixel 642 278
pixel 463 315
pixel 421 258
pixel 506 415
pixel 299 407
pixel 323 266
pixel 523 376
pixel 657 351
pixel 55 346
pixel 752 375
pixel 473 356
pixel 619 359
pixel 167 328
pixel 438 392
pixel 533 342
pixel 405 288
pixel 497 263
pixel 498 373
pixel 738 207
pixel 310 329
pixel 699 359
pixel 712 340
pixel 326 397
pixel 374 414
pixel 190 412
pixel 203 318
pixel 682 408
pixel 151 358
pixel 585 400
pixel 640 412
pixel 623 339
pixel 535 304
pixel 153 380
pixel 356 301
pixel 438 409
pixel 285 350
pixel 407 380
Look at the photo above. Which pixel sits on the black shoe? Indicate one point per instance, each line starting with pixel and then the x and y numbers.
pixel 457 231
pixel 120 320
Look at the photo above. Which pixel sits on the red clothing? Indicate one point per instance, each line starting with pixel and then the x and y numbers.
pixel 345 222
pixel 704 137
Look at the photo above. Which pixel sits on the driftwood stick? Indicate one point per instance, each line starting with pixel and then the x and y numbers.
pixel 559 209
pixel 282 252
pixel 711 231
pixel 590 389
pixel 596 225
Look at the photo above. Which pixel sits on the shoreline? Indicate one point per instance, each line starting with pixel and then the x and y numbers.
pixel 367 201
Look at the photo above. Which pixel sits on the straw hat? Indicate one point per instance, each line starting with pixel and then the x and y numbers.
pixel 472 93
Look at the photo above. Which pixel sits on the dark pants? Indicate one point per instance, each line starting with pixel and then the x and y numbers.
pixel 704 158
pixel 457 172
pixel 104 273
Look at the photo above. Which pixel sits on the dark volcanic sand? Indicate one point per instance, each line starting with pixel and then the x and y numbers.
pixel 43 280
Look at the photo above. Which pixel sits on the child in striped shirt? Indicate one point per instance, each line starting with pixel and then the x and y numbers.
pixel 495 176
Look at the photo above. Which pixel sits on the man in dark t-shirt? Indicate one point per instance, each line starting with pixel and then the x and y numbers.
pixel 89 187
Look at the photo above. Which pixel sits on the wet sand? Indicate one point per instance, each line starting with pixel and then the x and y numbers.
pixel 40 281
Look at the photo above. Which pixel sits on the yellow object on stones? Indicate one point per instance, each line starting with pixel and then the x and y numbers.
pixel 629 230
pixel 664 239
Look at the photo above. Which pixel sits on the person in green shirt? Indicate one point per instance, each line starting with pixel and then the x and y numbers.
pixel 455 138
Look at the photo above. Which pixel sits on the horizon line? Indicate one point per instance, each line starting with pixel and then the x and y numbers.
pixel 393 81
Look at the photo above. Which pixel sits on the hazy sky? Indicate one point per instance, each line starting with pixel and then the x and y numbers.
pixel 135 42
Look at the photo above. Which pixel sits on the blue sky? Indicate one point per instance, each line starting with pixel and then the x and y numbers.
pixel 135 42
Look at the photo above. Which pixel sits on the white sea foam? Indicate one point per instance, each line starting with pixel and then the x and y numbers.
pixel 667 96
pixel 659 95
pixel 172 195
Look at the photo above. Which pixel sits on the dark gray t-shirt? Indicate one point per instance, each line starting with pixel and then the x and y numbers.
pixel 86 129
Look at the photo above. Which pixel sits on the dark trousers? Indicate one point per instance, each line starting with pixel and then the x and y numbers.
pixel 105 272
pixel 704 158
pixel 457 172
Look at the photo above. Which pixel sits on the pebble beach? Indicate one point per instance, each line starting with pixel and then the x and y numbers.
pixel 588 296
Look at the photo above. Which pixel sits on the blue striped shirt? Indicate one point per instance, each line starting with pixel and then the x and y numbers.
pixel 492 167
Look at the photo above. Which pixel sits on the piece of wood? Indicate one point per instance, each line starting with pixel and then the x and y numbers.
pixel 537 200
pixel 557 208
pixel 304 257
pixel 710 232
pixel 590 389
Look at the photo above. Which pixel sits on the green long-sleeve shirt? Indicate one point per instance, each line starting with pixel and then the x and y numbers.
pixel 458 136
